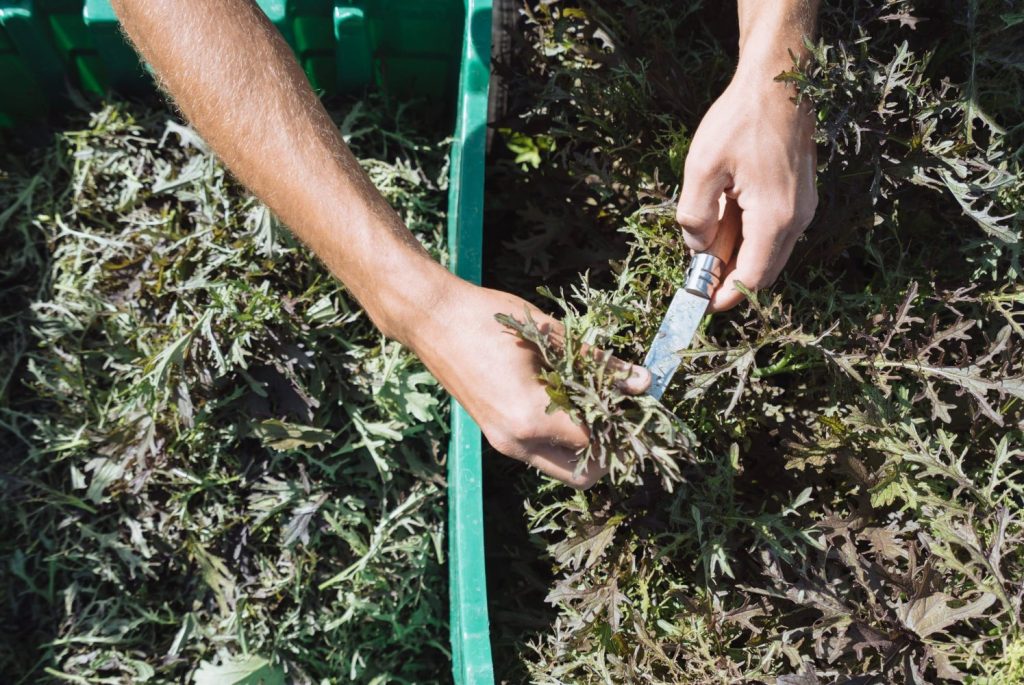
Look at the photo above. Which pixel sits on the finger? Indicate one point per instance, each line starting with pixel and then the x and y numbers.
pixel 635 378
pixel 787 252
pixel 557 429
pixel 638 380
pixel 763 252
pixel 698 209
pixel 554 446
pixel 732 223
pixel 560 463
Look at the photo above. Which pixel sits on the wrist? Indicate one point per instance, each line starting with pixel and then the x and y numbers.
pixel 772 34
pixel 367 247
pixel 407 299
pixel 763 59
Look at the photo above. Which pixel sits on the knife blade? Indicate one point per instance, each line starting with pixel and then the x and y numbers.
pixel 688 307
pixel 680 324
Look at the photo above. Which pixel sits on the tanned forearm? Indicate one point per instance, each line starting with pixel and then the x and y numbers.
pixel 236 81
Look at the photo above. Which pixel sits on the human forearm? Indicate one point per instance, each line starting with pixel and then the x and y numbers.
pixel 771 31
pixel 234 78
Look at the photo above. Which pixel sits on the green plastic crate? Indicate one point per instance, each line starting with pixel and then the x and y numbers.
pixel 470 634
pixel 31 72
pixel 120 69
pixel 404 47
pixel 438 50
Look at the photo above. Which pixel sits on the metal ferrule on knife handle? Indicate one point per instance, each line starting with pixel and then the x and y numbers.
pixel 703 275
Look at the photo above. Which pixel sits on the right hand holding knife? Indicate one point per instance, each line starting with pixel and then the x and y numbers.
pixel 691 300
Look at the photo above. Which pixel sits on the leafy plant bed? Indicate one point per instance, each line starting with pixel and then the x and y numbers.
pixel 832 492
pixel 214 469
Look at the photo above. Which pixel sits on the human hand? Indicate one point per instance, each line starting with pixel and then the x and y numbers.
pixel 755 148
pixel 494 375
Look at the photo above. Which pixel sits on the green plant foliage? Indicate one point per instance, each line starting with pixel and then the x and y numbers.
pixel 215 470
pixel 846 506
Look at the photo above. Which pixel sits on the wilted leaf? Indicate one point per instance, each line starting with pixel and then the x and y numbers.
pixel 283 436
pixel 936 612
pixel 240 670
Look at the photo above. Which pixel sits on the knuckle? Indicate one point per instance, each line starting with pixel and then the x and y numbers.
pixel 684 214
pixel 763 280
pixel 793 217
pixel 698 164
pixel 785 217
pixel 577 444
pixel 509 435
pixel 520 425
pixel 753 280
pixel 584 481
pixel 503 442
pixel 695 241
pixel 693 224
pixel 805 215
pixel 697 217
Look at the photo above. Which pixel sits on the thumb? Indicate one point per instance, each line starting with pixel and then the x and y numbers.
pixel 698 210
pixel 636 379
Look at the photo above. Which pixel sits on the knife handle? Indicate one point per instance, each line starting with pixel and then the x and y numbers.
pixel 705 270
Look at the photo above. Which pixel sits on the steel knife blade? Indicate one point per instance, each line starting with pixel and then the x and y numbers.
pixel 681 321
pixel 691 301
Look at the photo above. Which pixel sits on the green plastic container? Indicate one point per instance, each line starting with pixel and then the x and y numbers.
pixel 31 72
pixel 405 47
pixel 470 633
pixel 438 50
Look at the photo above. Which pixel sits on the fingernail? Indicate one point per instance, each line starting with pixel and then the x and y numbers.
pixel 639 378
